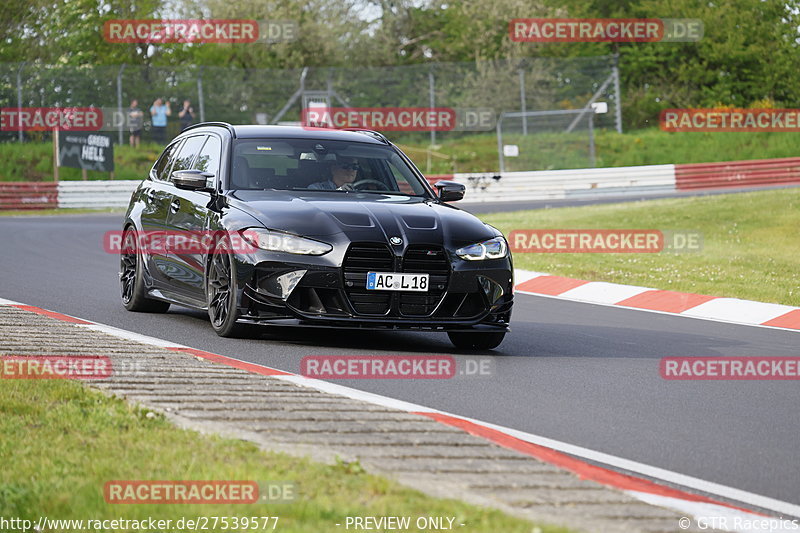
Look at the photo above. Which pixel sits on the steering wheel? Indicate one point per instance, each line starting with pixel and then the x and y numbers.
pixel 380 184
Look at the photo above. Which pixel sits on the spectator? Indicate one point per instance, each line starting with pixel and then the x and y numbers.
pixel 186 115
pixel 160 111
pixel 135 122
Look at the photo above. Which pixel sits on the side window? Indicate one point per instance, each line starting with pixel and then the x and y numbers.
pixel 208 159
pixel 164 162
pixel 187 153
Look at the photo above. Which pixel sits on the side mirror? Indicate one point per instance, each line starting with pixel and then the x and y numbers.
pixel 450 191
pixel 191 180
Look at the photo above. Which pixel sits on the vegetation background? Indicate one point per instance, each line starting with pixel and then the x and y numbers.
pixel 748 56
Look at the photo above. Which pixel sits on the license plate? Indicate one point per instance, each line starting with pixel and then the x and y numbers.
pixel 393 281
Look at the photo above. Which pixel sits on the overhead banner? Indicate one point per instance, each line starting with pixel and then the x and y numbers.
pixel 90 151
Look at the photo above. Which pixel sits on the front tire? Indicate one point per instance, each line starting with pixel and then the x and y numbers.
pixel 476 341
pixel 130 278
pixel 221 291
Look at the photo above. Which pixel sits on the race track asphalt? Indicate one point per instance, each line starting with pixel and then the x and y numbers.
pixel 583 374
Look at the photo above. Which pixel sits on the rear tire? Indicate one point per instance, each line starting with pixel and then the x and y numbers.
pixel 221 291
pixel 130 278
pixel 476 341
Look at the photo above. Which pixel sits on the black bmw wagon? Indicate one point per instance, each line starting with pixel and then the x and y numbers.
pixel 293 226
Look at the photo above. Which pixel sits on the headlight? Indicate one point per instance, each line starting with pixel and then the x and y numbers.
pixel 492 249
pixel 276 241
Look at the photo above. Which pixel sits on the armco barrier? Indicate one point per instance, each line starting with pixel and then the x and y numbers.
pixel 560 184
pixel 26 195
pixel 752 173
pixel 481 186
pixel 97 194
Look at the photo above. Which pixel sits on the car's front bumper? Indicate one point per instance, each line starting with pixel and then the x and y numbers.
pixel 464 295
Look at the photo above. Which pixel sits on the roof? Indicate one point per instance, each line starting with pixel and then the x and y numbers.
pixel 255 131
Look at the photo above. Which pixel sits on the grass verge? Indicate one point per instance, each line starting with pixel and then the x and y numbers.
pixel 34 162
pixel 750 244
pixel 62 441
pixel 553 151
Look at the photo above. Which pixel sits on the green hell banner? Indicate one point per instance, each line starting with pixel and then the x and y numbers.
pixel 86 150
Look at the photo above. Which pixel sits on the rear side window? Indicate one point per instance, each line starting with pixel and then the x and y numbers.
pixel 164 163
pixel 208 159
pixel 188 152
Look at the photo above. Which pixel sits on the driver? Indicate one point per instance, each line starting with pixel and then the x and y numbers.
pixel 343 174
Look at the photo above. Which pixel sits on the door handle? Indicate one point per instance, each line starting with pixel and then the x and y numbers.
pixel 175 205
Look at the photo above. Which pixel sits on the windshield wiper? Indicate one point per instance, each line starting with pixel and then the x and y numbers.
pixel 390 193
pixel 317 190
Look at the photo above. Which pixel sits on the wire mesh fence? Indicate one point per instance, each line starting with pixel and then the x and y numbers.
pixel 268 96
pixel 546 140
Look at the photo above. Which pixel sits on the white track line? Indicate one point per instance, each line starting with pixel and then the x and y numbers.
pixel 130 335
pixel 675 478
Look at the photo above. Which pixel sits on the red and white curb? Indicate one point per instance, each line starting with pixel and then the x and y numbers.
pixel 731 310
pixel 583 462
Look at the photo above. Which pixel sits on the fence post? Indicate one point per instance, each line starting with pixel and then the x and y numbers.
pixel 119 99
pixel 55 155
pixel 200 100
pixel 19 96
pixel 500 155
pixel 617 95
pixel 431 86
pixel 591 140
pixel 522 101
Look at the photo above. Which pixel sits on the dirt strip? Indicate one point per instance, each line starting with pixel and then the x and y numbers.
pixel 280 416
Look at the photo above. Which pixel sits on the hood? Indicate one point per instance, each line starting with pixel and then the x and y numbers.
pixel 361 217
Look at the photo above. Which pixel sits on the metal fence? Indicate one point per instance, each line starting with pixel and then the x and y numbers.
pixel 268 95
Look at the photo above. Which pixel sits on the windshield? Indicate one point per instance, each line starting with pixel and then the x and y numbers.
pixel 317 165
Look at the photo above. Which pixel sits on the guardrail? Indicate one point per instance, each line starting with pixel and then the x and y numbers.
pixel 96 194
pixel 481 186
pixel 560 184
pixel 26 195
